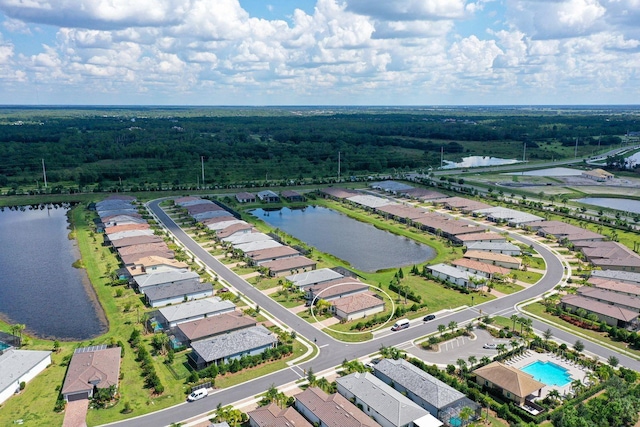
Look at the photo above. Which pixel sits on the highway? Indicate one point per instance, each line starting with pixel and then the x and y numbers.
pixel 333 352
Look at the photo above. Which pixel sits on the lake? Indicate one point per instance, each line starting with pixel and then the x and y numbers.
pixel 360 244
pixel 477 161
pixel 40 288
pixel 625 205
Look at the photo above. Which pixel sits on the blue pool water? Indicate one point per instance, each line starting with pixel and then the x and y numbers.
pixel 455 422
pixel 548 373
pixel 4 346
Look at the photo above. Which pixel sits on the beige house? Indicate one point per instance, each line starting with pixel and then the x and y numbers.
pixel 512 383
pixel 501 260
pixel 599 175
pixel 357 306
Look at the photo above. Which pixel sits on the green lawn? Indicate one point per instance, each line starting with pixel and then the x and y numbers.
pixel 539 310
pixel 507 288
pixel 527 276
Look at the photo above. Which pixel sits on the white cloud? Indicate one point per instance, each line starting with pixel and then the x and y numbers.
pixel 409 10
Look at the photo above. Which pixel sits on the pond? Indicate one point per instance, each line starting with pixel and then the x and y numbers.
pixel 625 205
pixel 477 161
pixel 40 288
pixel 549 172
pixel 360 244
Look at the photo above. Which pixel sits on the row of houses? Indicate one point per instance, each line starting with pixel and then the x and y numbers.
pixel 269 196
pixel 259 249
pixel 396 394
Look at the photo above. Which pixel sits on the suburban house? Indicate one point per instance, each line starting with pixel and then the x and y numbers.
pixel 512 217
pixel 480 268
pixel 173 315
pixel 489 237
pixel 245 197
pixel 314 277
pixel 335 289
pixel 246 238
pixel 126 227
pixel 124 234
pixel 608 297
pixel 186 333
pixel 285 266
pixel 357 305
pixel 457 276
pixel 622 288
pixel 138 240
pixel 199 217
pixel 274 416
pixel 390 186
pixel 145 247
pixel 498 248
pixel 500 260
pixel 224 348
pixel 611 256
pixel 599 175
pixel 91 368
pixel 422 194
pixel 292 196
pixel 18 366
pixel 386 406
pixel 237 228
pixel 610 314
pixel 156 278
pixel 268 196
pixel 217 224
pixel 330 410
pixel 114 220
pixel 155 264
pixel 175 293
pixel 461 204
pixel 256 246
pixel 338 193
pixel 180 201
pixel 130 260
pixel 441 400
pixel 261 256
pixel 620 276
pixel 510 382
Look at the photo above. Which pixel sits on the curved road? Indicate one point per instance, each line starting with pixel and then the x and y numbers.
pixel 333 352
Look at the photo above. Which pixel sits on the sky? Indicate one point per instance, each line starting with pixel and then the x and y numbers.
pixel 319 52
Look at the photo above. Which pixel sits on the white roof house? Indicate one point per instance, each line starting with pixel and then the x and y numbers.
pixel 167 276
pixel 369 201
pixel 313 277
pixel 17 366
pixel 211 214
pixel 224 224
pixel 247 238
pixel 193 310
pixel 130 233
pixel 500 248
pixel 511 216
pixel 256 246
pixel 623 276
pixel 387 406
pixel 455 276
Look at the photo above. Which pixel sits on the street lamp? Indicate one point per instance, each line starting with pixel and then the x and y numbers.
pixel 472 300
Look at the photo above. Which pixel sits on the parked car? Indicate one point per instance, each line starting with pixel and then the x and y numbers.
pixel 198 394
pixel 429 317
pixel 490 346
pixel 400 324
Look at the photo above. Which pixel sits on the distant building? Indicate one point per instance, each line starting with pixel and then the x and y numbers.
pixel 245 197
pixel 599 175
pixel 292 196
pixel 268 196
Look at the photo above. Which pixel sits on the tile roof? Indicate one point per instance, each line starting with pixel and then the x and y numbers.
pixel 274 416
pixel 510 379
pixel 134 258
pixel 244 195
pixel 290 263
pixel 480 266
pixel 212 214
pixel 357 302
pixel 610 297
pixel 126 227
pixel 333 288
pixel 313 277
pixel 493 246
pixel 623 276
pixel 247 238
pixel 143 247
pixel 476 237
pixel 427 387
pixel 233 228
pixel 255 246
pixel 136 240
pixel 340 193
pixel 131 233
pixel 491 256
pixel 271 253
pixel 389 403
pixel 600 307
pixel 333 410
pixel 210 326
pixel 86 368
pixel 290 193
pixel 236 342
pixel 615 286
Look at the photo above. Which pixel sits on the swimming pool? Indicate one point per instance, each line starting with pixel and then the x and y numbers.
pixel 4 346
pixel 548 373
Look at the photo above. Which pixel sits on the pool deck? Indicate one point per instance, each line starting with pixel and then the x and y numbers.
pixel 577 372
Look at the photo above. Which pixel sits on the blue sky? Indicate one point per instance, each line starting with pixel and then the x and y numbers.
pixel 319 52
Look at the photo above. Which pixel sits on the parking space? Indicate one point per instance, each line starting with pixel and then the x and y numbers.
pixel 460 348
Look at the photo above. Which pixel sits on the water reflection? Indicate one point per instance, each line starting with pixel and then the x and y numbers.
pixel 477 161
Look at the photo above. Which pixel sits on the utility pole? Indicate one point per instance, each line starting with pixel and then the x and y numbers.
pixel 339 166
pixel 441 156
pixel 524 152
pixel 576 150
pixel 44 174
pixel 202 162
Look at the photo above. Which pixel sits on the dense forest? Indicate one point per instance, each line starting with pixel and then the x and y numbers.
pixel 142 147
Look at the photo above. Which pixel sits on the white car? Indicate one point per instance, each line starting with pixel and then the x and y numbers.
pixel 490 345
pixel 198 394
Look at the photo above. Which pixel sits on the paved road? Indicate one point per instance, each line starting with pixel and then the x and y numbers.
pixel 333 352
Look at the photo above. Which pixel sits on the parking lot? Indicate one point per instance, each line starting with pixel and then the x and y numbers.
pixel 460 348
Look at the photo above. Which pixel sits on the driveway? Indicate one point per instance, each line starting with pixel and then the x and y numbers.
pixel 459 348
pixel 75 413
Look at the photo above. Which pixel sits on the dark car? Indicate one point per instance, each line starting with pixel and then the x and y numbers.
pixel 429 317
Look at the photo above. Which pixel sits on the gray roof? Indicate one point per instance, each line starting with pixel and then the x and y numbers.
pixel 211 214
pixel 167 276
pixel 624 276
pixel 224 224
pixel 172 290
pixel 247 238
pixel 236 342
pixel 267 193
pixel 383 399
pixel 15 363
pixel 256 246
pixel 422 384
pixel 195 308
pixel 492 246
pixel 454 272
pixel 369 200
pixel 313 277
pixel 129 233
pixel 390 186
pixel 507 214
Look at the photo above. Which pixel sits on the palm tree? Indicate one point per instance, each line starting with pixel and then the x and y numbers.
pixel 452 325
pixel 554 394
pixel 441 329
pixel 514 344
pixel 613 361
pixel 577 386
pixel 502 348
pixel 547 335
pixel 514 318
pixel 462 364
pixel 465 415
pixel 485 360
pixel 472 360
